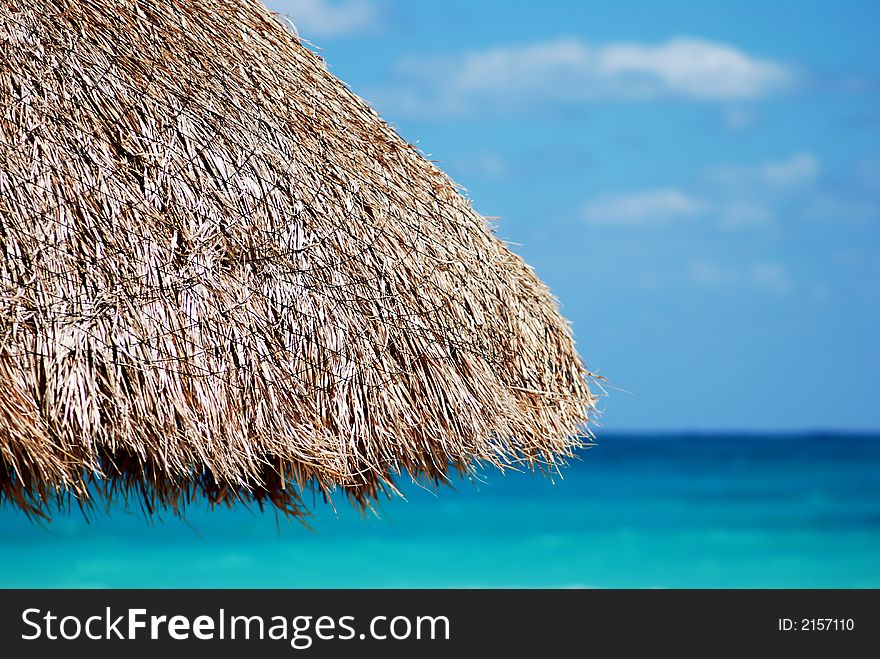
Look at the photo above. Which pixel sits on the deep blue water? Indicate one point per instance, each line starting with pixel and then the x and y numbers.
pixel 636 511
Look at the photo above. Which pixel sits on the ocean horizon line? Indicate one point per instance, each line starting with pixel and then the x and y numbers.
pixel 729 434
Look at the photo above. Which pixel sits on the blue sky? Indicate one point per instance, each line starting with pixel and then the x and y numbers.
pixel 699 183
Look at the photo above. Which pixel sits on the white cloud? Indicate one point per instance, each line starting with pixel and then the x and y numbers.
pixel 738 118
pixel 798 169
pixel 693 67
pixel 644 207
pixel 325 18
pixel 770 277
pixel 574 71
pixel 745 196
pixel 763 276
pixel 485 165
pixel 708 274
pixel 741 214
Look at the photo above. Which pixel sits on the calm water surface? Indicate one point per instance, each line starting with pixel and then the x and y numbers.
pixel 637 511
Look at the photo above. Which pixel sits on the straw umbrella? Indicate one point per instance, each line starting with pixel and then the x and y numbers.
pixel 224 275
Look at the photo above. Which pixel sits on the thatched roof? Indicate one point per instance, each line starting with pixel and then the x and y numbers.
pixel 222 273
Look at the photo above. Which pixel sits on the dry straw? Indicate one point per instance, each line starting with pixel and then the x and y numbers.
pixel 223 274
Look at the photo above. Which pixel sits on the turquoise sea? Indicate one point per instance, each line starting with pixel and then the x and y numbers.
pixel 636 511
